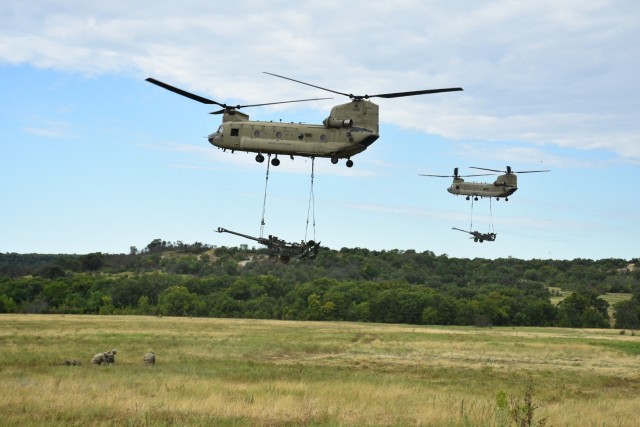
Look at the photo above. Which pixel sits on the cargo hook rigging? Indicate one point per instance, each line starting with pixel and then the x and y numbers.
pixel 264 202
pixel 311 209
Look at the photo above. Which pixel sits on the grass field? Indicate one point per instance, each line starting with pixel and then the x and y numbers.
pixel 252 372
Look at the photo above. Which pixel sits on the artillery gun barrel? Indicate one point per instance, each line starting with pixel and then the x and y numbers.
pixel 224 230
pixel 459 229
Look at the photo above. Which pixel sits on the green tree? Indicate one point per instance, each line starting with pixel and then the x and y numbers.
pixel 93 261
pixel 576 311
pixel 7 304
pixel 106 305
pixel 143 305
pixel 627 314
pixel 176 301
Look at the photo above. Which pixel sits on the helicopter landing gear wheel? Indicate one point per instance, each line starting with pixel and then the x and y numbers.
pixel 506 199
pixel 468 197
pixel 284 259
pixel 259 158
pixel 475 239
pixel 275 161
pixel 475 198
pixel 349 163
pixel 334 160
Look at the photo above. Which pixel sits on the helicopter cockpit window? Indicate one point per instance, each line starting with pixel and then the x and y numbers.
pixel 221 129
pixel 235 131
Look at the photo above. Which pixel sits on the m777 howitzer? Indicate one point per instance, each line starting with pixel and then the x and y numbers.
pixel 478 236
pixel 278 249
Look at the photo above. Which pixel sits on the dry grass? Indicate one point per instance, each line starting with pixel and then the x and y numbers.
pixel 254 372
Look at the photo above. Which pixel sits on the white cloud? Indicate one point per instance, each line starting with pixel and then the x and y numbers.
pixel 543 73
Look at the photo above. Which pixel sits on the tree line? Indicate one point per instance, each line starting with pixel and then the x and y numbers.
pixel 350 284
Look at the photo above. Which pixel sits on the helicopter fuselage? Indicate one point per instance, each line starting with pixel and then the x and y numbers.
pixel 504 186
pixel 349 130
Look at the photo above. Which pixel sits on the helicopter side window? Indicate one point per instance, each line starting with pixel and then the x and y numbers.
pixel 235 131
pixel 279 135
pixel 256 133
pixel 323 138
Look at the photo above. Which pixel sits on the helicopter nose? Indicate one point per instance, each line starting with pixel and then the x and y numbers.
pixel 215 139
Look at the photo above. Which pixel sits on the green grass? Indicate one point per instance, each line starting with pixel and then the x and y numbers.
pixel 250 372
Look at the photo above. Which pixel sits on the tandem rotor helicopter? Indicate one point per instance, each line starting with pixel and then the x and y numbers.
pixel 504 186
pixel 350 128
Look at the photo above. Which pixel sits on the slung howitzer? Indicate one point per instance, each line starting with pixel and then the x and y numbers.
pixel 280 249
pixel 478 236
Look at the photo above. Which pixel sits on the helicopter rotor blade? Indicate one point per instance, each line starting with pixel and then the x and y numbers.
pixel 457 176
pixel 509 171
pixel 225 107
pixel 381 95
pixel 414 93
pixel 281 102
pixel 237 107
pixel 548 170
pixel 184 92
pixel 485 169
pixel 309 84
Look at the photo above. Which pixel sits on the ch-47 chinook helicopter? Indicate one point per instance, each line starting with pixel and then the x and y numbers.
pixel 504 186
pixel 349 129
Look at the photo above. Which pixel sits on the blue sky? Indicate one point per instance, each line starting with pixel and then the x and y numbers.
pixel 95 159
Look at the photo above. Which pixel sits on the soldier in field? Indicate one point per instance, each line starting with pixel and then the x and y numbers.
pixel 107 357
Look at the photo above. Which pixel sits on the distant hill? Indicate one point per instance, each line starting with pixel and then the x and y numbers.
pixel 348 284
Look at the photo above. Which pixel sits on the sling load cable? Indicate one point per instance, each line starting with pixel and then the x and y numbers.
pixel 471 225
pixel 491 228
pixel 264 202
pixel 312 205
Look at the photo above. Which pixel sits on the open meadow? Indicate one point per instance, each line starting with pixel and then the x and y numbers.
pixel 236 372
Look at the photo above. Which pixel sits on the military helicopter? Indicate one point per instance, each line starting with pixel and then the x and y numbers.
pixel 504 186
pixel 349 129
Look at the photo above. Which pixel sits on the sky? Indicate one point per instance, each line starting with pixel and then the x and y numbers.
pixel 95 159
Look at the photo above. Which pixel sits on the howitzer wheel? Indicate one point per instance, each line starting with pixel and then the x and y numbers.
pixel 273 258
pixel 284 259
